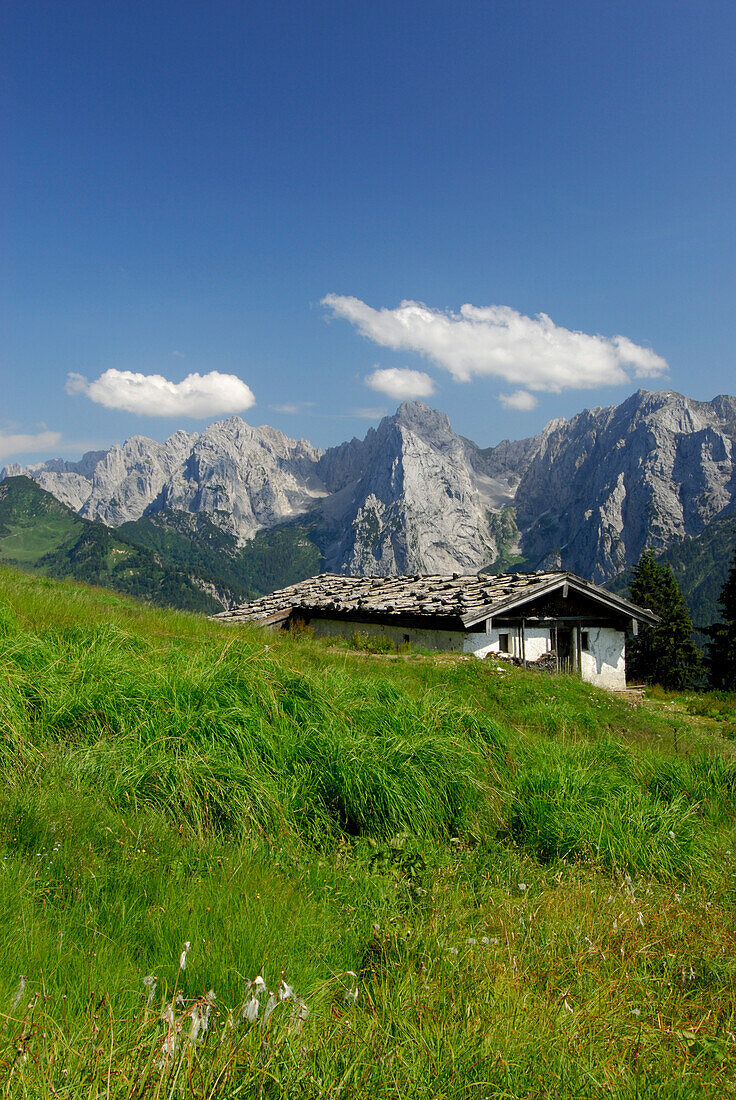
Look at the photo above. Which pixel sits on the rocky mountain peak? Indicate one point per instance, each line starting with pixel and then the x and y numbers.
pixel 424 421
pixel 587 493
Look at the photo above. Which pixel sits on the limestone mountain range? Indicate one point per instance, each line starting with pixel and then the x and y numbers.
pixel 586 494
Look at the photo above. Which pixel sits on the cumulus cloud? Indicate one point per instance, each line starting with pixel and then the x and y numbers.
pixel 23 443
pixel 497 341
pixel 519 399
pixel 197 395
pixel 401 383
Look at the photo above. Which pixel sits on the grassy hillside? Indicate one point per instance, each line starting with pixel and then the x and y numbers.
pixel 463 880
pixel 271 559
pixel 38 532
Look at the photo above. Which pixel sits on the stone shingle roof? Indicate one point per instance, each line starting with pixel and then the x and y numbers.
pixel 463 599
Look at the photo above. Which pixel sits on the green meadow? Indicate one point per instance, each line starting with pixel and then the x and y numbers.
pixel 454 878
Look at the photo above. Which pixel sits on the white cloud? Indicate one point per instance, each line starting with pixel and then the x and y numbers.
pixel 23 443
pixel 366 414
pixel 197 395
pixel 497 341
pixel 401 383
pixel 519 399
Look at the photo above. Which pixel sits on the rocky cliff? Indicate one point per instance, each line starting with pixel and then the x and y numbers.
pixel 602 486
pixel 246 478
pixel 413 496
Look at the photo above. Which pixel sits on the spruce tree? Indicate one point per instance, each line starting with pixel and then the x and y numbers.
pixel 664 654
pixel 722 645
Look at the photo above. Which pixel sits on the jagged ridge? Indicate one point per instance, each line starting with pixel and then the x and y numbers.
pixel 413 496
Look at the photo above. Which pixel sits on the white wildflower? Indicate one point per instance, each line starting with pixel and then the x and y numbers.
pixel 183 956
pixel 19 992
pixel 16 1001
pixel 270 1006
pixel 471 941
pixel 201 1016
pixel 168 1049
pixel 636 1012
pixel 484 940
pixel 258 985
pixel 671 834
pixel 285 991
pixel 250 1010
pixel 523 886
pixel 196 1023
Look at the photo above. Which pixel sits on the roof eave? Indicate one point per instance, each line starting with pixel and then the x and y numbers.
pixel 615 603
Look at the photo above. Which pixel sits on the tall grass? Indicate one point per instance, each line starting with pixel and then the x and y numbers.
pixel 531 880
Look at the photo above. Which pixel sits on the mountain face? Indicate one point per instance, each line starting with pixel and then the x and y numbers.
pixel 586 494
pixel 412 497
pixel 248 478
pixel 610 482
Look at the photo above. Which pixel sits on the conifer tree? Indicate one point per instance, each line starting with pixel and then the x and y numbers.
pixel 722 645
pixel 664 654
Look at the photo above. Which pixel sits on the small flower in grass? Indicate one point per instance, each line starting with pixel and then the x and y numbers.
pixel 284 991
pixel 350 996
pixel 471 941
pixel 636 1012
pixel 251 1007
pixel 270 1006
pixel 454 951
pixel 200 1018
pixel 183 956
pixel 485 941
pixel 19 992
pixel 523 887
pixel 671 834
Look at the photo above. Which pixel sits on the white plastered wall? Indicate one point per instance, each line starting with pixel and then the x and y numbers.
pixel 603 664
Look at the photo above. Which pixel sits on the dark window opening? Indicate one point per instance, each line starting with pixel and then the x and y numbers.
pixel 407 638
pixel 503 643
pixel 584 640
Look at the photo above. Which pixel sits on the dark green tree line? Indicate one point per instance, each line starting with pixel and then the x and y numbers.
pixel 722 645
pixel 664 654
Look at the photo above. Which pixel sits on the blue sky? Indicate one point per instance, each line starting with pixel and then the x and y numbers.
pixel 247 192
